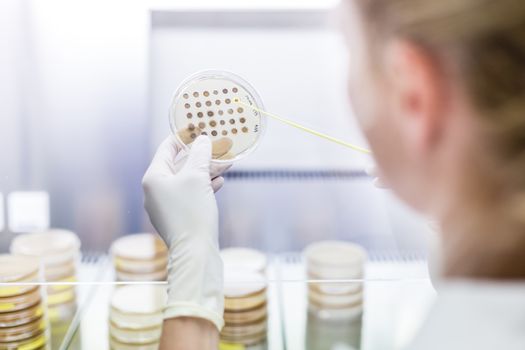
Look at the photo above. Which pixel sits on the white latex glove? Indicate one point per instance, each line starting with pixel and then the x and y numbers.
pixel 180 201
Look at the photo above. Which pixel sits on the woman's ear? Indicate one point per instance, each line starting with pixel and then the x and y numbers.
pixel 417 94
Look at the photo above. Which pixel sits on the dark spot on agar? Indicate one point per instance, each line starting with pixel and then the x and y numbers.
pixel 189 115
pixel 242 120
pixel 244 129
pixel 224 91
pixel 210 114
pixel 195 94
pixel 191 127
pixel 202 125
pixel 206 93
pixel 222 122
pixel 200 115
pixel 230 111
pixel 198 104
pixel 208 103
pixel 240 110
pixel 193 135
pixel 224 133
pixel 220 112
pixel 234 131
pixel 185 95
pixel 217 102
pixel 213 123
pixel 215 92
pixel 232 121
pixel 204 133
pixel 235 89
pixel 214 133
pixel 227 100
pixel 187 105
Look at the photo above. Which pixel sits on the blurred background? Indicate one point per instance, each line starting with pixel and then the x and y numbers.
pixel 85 88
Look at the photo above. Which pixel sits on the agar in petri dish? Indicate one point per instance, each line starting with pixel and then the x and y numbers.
pixel 192 98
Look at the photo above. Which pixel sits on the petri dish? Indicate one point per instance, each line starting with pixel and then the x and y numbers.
pixel 244 330
pixel 218 104
pixel 15 268
pixel 246 340
pixel 146 266
pixel 64 271
pixel 126 312
pixel 22 332
pixel 61 297
pixel 243 289
pixel 247 316
pixel 138 247
pixel 20 302
pixel 341 300
pixel 336 288
pixel 62 312
pixel 54 247
pixel 37 342
pixel 335 314
pixel 116 345
pixel 137 277
pixel 334 254
pixel 244 258
pixel 17 318
pixel 135 336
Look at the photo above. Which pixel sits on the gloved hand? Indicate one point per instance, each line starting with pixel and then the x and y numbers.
pixel 180 201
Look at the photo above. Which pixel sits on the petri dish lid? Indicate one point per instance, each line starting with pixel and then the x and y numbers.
pixel 17 318
pixel 335 301
pixel 141 266
pixel 116 345
pixel 20 302
pixel 248 340
pixel 246 316
pixel 245 330
pixel 244 258
pixel 152 299
pixel 240 283
pixel 218 104
pixel 139 246
pixel 334 254
pixel 53 246
pixel 24 331
pixel 15 268
pixel 160 275
pixel 37 342
pixel 135 336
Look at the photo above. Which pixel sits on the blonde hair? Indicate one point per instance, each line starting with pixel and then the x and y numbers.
pixel 486 41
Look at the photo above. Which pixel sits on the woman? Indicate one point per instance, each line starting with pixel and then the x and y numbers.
pixel 439 88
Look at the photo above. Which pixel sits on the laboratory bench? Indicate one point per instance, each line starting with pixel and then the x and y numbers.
pixel 396 296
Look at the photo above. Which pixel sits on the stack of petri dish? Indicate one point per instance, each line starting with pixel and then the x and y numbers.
pixel 245 298
pixel 342 263
pixel 59 253
pixel 140 257
pixel 135 325
pixel 23 322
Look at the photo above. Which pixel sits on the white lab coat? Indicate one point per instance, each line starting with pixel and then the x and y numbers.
pixel 470 315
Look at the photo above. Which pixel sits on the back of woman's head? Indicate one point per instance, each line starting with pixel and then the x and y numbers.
pixel 485 41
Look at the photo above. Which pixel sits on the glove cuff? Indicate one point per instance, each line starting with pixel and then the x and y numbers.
pixel 185 309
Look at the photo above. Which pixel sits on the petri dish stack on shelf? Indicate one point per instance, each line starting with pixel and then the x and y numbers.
pixel 23 322
pixel 59 253
pixel 335 261
pixel 245 298
pixel 135 317
pixel 140 257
